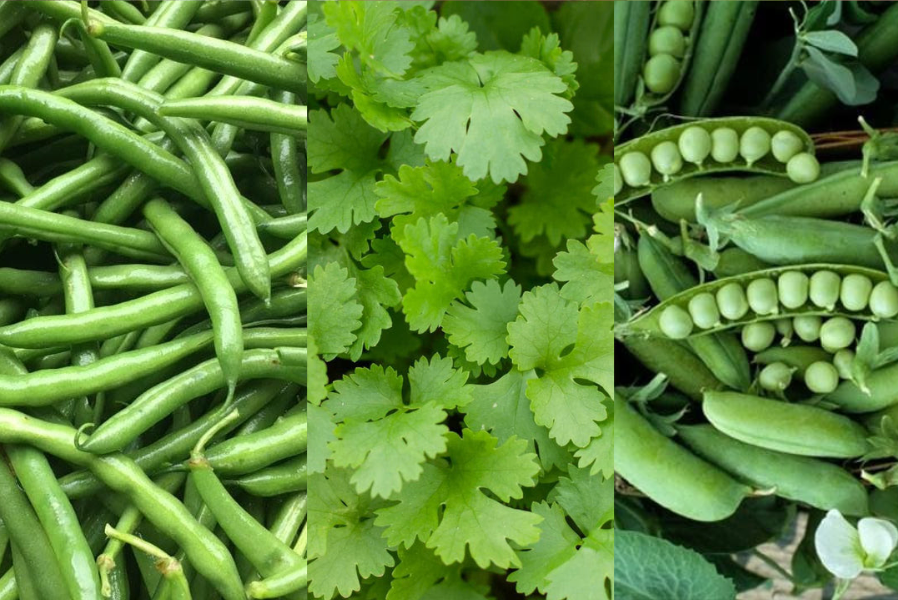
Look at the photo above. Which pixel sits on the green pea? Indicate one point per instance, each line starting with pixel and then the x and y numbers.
pixel 703 310
pixel 667 40
pixel 837 333
pixel 724 145
pixel 679 13
pixel 855 291
pixel 675 323
pixel 666 159
pixel 762 297
pixel 824 289
pixel 884 300
pixel 758 336
pixel 821 377
pixel 776 377
pixel 695 145
pixel 661 73
pixel 785 328
pixel 793 289
pixel 731 301
pixel 636 169
pixel 842 361
pixel 785 144
pixel 803 168
pixel 618 181
pixel 754 145
pixel 807 327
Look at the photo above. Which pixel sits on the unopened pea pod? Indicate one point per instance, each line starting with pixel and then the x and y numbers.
pixel 814 482
pixel 719 47
pixel 773 424
pixel 677 200
pixel 684 370
pixel 668 276
pixel 705 151
pixel 668 473
pixel 783 240
pixel 736 261
pixel 631 27
pixel 650 323
pixel 797 357
pixel 882 393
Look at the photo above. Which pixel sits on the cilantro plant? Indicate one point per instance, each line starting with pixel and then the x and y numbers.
pixel 460 285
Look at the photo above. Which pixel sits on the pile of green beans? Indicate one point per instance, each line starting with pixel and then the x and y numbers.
pixel 153 345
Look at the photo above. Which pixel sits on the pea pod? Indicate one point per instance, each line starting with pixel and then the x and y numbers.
pixel 677 200
pixel 797 357
pixel 668 276
pixel 650 323
pixel 773 424
pixel 728 144
pixel 631 27
pixel 721 38
pixel 883 392
pixel 815 482
pixel 736 261
pixel 683 368
pixel 671 42
pixel 668 473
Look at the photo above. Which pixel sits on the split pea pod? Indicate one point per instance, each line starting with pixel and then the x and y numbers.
pixel 668 276
pixel 773 424
pixel 671 43
pixel 814 482
pixel 823 290
pixel 724 30
pixel 726 144
pixel 668 473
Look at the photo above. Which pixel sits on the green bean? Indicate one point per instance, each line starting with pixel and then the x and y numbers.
pixel 123 11
pixel 28 537
pixel 286 162
pixel 13 179
pixel 200 263
pixel 246 112
pixel 289 517
pixel 158 402
pixel 283 478
pixel 668 473
pixel 8 590
pixel 11 15
pixel 285 227
pixel 247 453
pixel 217 55
pixel 206 552
pixel 814 482
pixel 279 585
pixel 153 309
pixel 166 565
pixel 56 515
pixel 772 424
pixel 174 15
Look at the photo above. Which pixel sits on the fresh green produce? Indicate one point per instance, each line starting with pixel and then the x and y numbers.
pixel 461 270
pixel 153 360
pixel 757 376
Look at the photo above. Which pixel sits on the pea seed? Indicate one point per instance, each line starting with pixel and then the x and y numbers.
pixel 762 297
pixel 824 289
pixel 855 291
pixel 666 159
pixel 695 145
pixel 754 145
pixel 776 377
pixel 675 323
pixel 785 144
pixel 821 377
pixel 703 310
pixel 842 361
pixel 724 145
pixel 884 300
pixel 731 301
pixel 679 13
pixel 785 328
pixel 837 333
pixel 667 40
pixel 618 181
pixel 803 168
pixel 661 73
pixel 793 289
pixel 807 327
pixel 758 336
pixel 636 169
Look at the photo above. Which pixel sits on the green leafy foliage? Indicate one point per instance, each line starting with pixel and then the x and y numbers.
pixel 460 277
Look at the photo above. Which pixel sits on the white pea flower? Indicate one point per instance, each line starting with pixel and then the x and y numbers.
pixel 847 551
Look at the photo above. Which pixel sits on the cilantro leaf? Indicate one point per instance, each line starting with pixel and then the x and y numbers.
pixel 469 518
pixel 322 41
pixel 336 313
pixel 321 433
pixel 547 49
pixel 600 451
pixel 482 328
pixel 587 279
pixel 371 29
pixel 492 110
pixel 421 575
pixel 443 266
pixel 316 384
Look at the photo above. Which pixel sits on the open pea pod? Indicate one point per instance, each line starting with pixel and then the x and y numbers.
pixel 729 144
pixel 762 299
